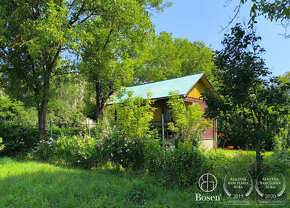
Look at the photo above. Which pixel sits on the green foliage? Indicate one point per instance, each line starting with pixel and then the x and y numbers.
pixel 189 123
pixel 10 111
pixel 183 165
pixel 66 105
pixel 34 35
pixel 81 151
pixel 18 139
pixel 280 140
pixel 166 58
pixel 108 56
pixel 278 162
pixel 133 117
pixel 272 10
pixel 249 108
pixel 2 146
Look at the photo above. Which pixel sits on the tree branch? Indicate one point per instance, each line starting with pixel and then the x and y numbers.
pixel 108 39
pixel 76 17
pixel 237 11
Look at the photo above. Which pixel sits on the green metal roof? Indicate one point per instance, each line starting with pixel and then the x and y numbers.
pixel 161 89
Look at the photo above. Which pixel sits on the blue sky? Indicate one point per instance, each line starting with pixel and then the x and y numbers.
pixel 201 20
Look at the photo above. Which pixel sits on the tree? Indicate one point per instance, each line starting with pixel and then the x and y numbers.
pixel 166 58
pixel 247 101
pixel 277 10
pixel 107 58
pixel 189 123
pixel 66 101
pixel 34 34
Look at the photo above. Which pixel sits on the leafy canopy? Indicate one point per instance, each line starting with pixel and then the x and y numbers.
pixel 165 58
pixel 249 106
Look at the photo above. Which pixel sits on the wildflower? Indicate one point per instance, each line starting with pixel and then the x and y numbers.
pixel 78 161
pixel 102 148
pixel 221 134
pixel 226 148
pixel 214 147
pixel 251 163
pixel 230 147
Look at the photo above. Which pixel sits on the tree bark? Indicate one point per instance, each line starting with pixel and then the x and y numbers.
pixel 42 111
pixel 99 106
pixel 102 94
pixel 259 160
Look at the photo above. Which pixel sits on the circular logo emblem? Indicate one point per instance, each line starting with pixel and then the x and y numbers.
pixel 207 182
pixel 271 185
pixel 238 184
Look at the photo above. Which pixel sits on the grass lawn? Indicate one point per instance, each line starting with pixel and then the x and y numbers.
pixel 33 184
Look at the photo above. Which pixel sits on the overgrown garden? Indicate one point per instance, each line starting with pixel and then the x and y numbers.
pixel 62 62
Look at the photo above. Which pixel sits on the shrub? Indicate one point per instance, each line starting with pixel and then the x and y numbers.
pixel 128 134
pixel 18 139
pixel 189 123
pixel 83 151
pixel 183 165
pixel 278 162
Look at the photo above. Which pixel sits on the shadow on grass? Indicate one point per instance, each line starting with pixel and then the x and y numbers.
pixel 33 184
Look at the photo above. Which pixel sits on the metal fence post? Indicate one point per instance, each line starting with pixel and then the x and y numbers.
pixel 163 141
pixel 51 131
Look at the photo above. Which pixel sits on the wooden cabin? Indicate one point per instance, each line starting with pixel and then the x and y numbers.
pixel 190 88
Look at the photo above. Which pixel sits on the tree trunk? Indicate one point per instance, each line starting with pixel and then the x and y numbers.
pixel 103 93
pixel 42 111
pixel 258 159
pixel 99 103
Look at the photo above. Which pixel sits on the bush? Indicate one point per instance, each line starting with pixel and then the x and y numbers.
pixel 183 165
pixel 18 139
pixel 86 152
pixel 278 162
